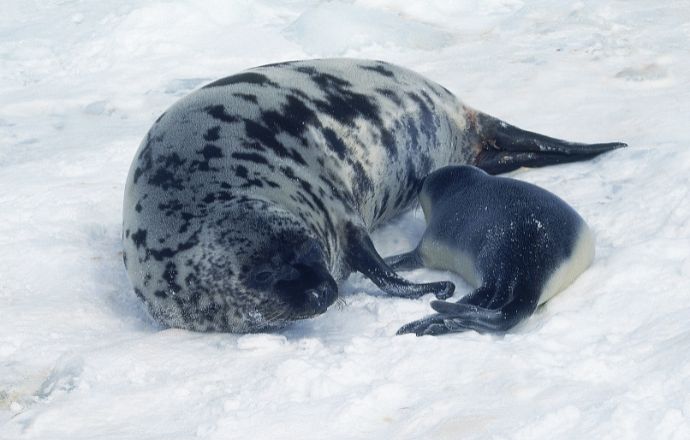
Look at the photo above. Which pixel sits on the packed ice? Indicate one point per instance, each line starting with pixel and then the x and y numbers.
pixel 609 358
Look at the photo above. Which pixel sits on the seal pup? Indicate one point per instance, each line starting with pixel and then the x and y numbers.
pixel 516 243
pixel 251 197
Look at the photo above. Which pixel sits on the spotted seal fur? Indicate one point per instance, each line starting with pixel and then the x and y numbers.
pixel 250 197
pixel 516 243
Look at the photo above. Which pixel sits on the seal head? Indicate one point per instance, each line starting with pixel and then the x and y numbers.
pixel 253 267
pixel 280 265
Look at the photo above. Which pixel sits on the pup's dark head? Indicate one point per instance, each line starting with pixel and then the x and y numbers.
pixel 450 180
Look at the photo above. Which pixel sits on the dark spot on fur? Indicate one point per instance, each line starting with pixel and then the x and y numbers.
pixel 412 132
pixel 334 143
pixel 347 106
pixel 267 138
pixel 145 157
pixel 241 171
pixel 289 172
pixel 427 124
pixel 171 207
pixel 218 196
pixel 307 69
pixel 242 78
pixel 218 112
pixel 160 294
pixel 300 93
pixel 305 185
pixel 328 81
pixel 212 134
pixel 251 157
pixel 252 146
pixel 388 141
pixel 166 252
pixel 139 238
pixel 172 161
pixel 425 96
pixel 186 219
pixel 297 157
pixel 390 94
pixel 378 69
pixel 247 97
pixel 210 151
pixel 210 198
pixel 170 275
pixel 293 118
pixel 252 183
pixel 280 64
pixel 165 179
pixel 362 180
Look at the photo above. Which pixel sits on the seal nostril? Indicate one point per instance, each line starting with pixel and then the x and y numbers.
pixel 310 292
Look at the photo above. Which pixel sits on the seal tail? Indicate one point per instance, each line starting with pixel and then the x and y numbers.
pixel 503 147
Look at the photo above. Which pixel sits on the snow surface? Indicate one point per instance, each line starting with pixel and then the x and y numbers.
pixel 609 358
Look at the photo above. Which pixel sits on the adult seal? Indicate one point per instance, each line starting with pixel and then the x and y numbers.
pixel 516 243
pixel 251 196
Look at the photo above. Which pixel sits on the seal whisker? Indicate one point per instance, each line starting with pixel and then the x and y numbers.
pixel 340 304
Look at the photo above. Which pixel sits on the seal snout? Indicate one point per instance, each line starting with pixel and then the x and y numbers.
pixel 321 297
pixel 309 289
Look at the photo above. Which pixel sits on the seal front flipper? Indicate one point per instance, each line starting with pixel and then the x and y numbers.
pixel 407 261
pixel 504 147
pixel 362 257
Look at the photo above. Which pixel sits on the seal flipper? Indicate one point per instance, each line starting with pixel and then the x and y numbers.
pixel 480 297
pixel 462 318
pixel 481 319
pixel 407 261
pixel 432 325
pixel 505 147
pixel 463 315
pixel 362 256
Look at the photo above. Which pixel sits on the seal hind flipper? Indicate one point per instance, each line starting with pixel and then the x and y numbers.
pixel 407 261
pixel 505 147
pixel 480 297
pixel 362 256
pixel 461 316
pixel 432 325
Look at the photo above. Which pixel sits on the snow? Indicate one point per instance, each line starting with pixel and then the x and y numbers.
pixel 609 358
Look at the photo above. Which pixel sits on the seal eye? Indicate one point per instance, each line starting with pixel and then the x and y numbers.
pixel 263 276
